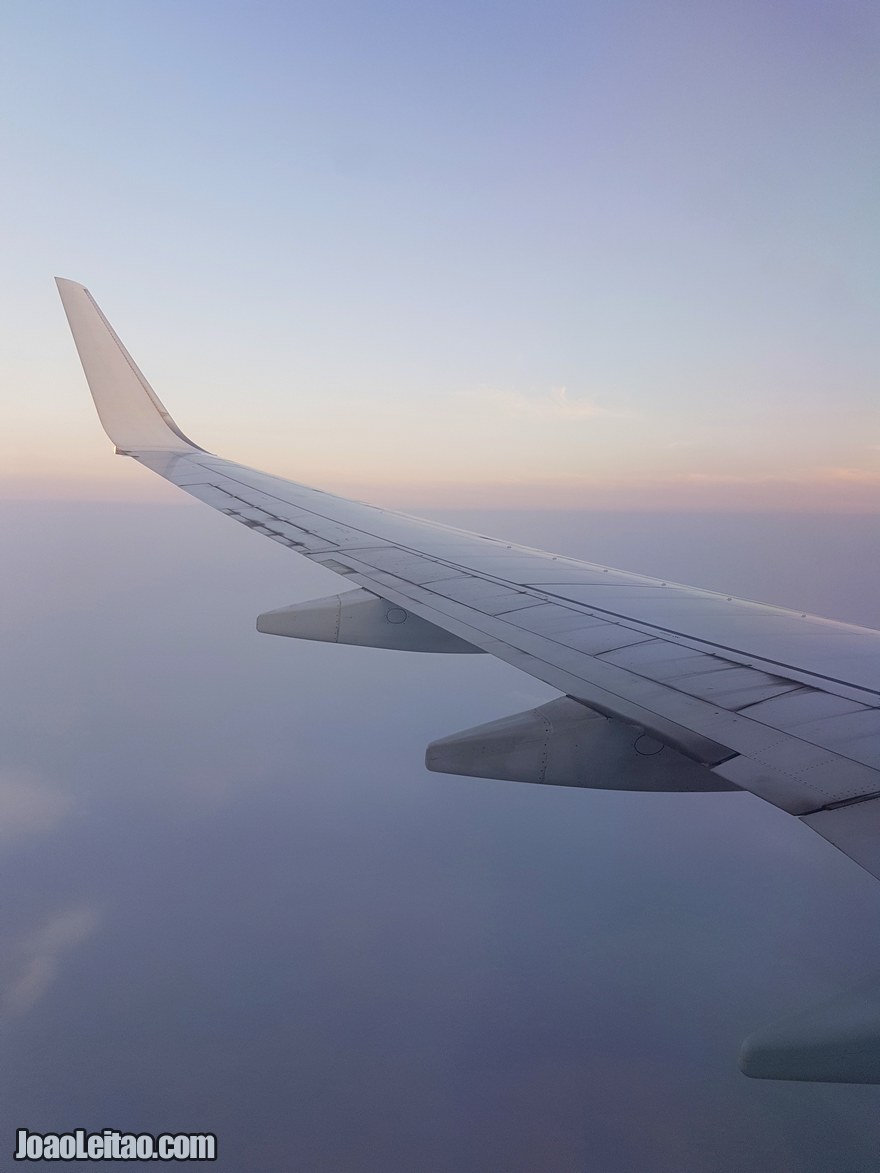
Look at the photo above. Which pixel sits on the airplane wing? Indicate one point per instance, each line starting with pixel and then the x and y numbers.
pixel 663 686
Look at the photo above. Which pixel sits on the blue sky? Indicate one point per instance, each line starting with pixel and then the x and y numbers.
pixel 563 254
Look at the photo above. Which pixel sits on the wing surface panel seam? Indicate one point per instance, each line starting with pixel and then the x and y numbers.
pixel 560 600
pixel 753 754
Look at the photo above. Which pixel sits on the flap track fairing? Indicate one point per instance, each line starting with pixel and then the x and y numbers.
pixel 566 743
pixel 362 618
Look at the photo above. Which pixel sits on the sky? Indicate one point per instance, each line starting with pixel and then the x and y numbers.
pixel 610 255
pixel 599 278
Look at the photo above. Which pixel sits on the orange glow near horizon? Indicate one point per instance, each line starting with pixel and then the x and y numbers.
pixel 836 491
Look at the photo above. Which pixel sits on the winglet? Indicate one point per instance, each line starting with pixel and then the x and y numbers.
pixel 131 412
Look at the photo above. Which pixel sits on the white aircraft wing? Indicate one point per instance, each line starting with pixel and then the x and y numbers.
pixel 664 687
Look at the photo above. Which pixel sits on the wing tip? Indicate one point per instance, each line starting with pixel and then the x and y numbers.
pixel 67 282
pixel 131 413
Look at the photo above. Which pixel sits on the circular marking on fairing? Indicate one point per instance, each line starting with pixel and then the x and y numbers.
pixel 396 615
pixel 647 746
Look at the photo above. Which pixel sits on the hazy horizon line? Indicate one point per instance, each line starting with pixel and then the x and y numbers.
pixel 696 495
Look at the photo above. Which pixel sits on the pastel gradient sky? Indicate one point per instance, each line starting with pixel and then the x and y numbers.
pixel 567 254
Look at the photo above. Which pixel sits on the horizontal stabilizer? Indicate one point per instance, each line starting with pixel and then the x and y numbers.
pixel 362 618
pixel 835 1042
pixel 565 743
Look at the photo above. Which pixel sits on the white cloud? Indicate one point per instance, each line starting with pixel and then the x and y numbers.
pixel 38 956
pixel 555 404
